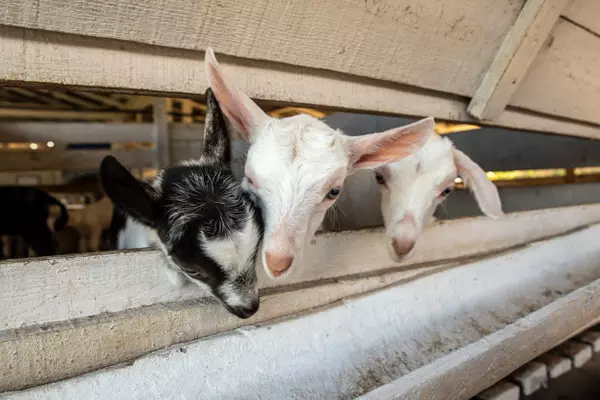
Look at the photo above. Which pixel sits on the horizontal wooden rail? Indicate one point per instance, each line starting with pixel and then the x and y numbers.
pixel 449 333
pixel 68 60
pixel 117 297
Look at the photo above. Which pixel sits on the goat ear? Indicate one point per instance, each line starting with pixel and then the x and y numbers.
pixel 475 178
pixel 129 195
pixel 381 148
pixel 216 136
pixel 243 113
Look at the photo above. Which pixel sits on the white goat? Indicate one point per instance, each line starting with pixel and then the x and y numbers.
pixel 412 188
pixel 207 226
pixel 296 166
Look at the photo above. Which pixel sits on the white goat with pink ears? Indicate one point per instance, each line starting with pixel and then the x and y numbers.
pixel 296 166
pixel 412 188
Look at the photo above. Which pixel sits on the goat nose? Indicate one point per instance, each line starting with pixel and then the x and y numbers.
pixel 402 246
pixel 278 263
pixel 247 312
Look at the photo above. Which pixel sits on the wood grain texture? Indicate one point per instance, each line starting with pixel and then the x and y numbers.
pixel 564 80
pixel 478 320
pixel 429 44
pixel 114 282
pixel 585 13
pixel 160 131
pixel 61 59
pixel 81 345
pixel 518 50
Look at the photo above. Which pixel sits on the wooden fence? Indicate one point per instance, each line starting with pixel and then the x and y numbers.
pixel 528 65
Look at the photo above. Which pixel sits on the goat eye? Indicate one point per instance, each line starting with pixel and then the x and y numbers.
pixel 333 193
pixel 379 178
pixel 446 192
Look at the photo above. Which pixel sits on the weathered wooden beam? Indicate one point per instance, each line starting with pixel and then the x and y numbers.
pixel 346 254
pixel 568 64
pixel 105 100
pixel 18 113
pixel 584 13
pixel 38 97
pixel 449 343
pixel 519 49
pixel 392 42
pixel 160 131
pixel 75 100
pixel 60 59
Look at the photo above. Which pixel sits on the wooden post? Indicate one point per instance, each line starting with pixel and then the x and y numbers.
pixel 161 131
pixel 187 109
pixel 519 49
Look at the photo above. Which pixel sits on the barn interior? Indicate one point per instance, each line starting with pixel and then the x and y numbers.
pixel 54 140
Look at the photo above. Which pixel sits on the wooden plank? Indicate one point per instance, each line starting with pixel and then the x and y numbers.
pixel 92 132
pixel 584 13
pixel 579 353
pixel 563 79
pixel 74 132
pixel 591 338
pixel 531 377
pixel 101 277
pixel 108 102
pixel 17 113
pixel 556 365
pixel 38 97
pixel 488 332
pixel 187 108
pixel 467 371
pixel 97 342
pixel 160 131
pixel 72 160
pixel 392 41
pixel 502 390
pixel 518 50
pixel 60 59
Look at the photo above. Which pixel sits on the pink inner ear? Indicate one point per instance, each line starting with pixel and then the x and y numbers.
pixel 392 145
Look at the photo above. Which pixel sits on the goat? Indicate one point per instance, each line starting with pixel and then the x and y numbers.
pixel 24 212
pixel 412 188
pixel 207 226
pixel 296 166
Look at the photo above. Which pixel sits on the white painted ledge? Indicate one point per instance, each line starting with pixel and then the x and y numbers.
pixel 46 290
pixel 447 335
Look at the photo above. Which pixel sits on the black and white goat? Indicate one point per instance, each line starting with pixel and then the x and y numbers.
pixel 207 226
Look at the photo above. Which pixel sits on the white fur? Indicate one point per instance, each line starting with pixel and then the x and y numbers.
pixel 294 162
pixel 413 186
pixel 136 236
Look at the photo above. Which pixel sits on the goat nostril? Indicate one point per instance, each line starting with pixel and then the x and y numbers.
pixel 402 246
pixel 246 312
pixel 278 263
